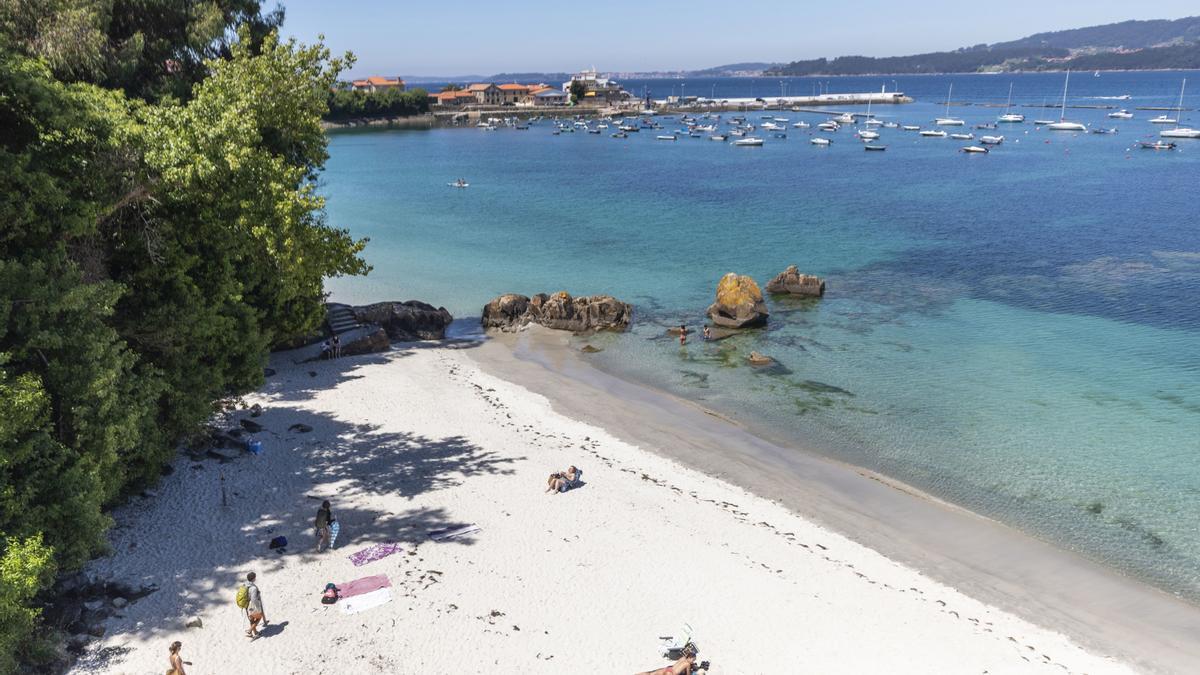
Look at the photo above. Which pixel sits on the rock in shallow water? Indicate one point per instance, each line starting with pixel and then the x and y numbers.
pixel 559 311
pixel 791 281
pixel 739 303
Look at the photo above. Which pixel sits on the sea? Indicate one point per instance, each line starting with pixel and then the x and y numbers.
pixel 1017 333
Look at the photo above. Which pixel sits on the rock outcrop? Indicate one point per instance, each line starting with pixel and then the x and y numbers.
pixel 758 359
pixel 406 321
pixel 739 303
pixel 559 311
pixel 373 340
pixel 791 281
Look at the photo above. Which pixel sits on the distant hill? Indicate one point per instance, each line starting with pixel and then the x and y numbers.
pixel 1129 45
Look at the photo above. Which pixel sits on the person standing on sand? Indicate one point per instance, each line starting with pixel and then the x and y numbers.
pixel 254 611
pixel 176 660
pixel 323 524
pixel 337 346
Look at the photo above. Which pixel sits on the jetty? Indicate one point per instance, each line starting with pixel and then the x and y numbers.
pixel 693 103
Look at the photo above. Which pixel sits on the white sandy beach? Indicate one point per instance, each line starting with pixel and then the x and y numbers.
pixel 420 439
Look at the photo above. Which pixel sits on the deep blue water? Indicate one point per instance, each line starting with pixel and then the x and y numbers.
pixel 1018 332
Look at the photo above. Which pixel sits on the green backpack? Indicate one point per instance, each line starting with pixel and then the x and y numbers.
pixel 243 596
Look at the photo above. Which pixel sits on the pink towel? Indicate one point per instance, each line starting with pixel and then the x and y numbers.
pixel 363 585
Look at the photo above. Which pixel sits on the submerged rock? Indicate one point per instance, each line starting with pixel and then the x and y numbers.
pixel 589 349
pixel 739 303
pixel 757 359
pixel 791 281
pixel 406 321
pixel 559 311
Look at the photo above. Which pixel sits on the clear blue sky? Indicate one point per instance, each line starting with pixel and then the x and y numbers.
pixel 472 37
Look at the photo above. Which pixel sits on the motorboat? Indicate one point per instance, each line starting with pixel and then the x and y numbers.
pixel 737 132
pixel 868 135
pixel 929 133
pixel 1157 145
pixel 872 122
pixel 717 137
pixel 962 137
pixel 874 148
pixel 1178 131
pixel 891 125
pixel 947 120
pixel 665 137
pixel 821 141
pixel 1008 117
pixel 781 120
pixel 800 125
pixel 1103 131
pixel 987 125
pixel 749 141
pixel 1043 123
pixel 844 118
pixel 828 126
pixel 771 126
pixel 620 134
pixel 975 150
pixel 460 183
pixel 593 131
pixel 991 140
pixel 1120 115
pixel 909 127
pixel 627 128
pixel 1163 119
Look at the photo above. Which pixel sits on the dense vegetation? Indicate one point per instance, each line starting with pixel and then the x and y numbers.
pixel 345 103
pixel 1154 45
pixel 159 230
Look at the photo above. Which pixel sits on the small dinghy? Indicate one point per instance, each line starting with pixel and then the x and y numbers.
pixel 975 150
pixel 459 184
pixel 874 148
pixel 821 141
pixel 748 142
pixel 1157 145
pixel 962 137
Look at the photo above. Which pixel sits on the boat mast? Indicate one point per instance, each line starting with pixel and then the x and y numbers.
pixel 1009 104
pixel 948 95
pixel 1179 110
pixel 1063 115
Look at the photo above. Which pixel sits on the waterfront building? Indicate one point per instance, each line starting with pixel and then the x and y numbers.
pixel 597 87
pixel 377 83
pixel 485 93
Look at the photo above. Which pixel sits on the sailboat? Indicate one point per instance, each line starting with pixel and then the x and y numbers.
pixel 1180 131
pixel 948 121
pixel 1011 118
pixel 1062 124
pixel 871 121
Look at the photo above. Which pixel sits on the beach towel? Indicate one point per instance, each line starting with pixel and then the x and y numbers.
pixel 363 586
pixel 373 553
pixel 333 532
pixel 361 603
pixel 452 532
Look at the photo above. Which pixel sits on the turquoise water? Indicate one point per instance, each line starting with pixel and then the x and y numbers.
pixel 1017 333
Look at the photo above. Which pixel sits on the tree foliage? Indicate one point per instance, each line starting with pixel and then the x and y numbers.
pixel 578 91
pixel 160 229
pixel 347 103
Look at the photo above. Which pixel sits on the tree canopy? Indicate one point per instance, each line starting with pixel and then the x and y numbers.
pixel 160 229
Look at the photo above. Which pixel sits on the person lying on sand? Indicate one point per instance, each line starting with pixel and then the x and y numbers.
pixel 563 480
pixel 684 666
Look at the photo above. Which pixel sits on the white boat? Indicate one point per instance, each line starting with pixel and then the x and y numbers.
pixel 871 121
pixel 749 141
pixel 1181 131
pixel 800 125
pixel 929 133
pixel 771 126
pixel 781 120
pixel 909 127
pixel 1043 123
pixel 821 141
pixel 949 121
pixel 668 137
pixel 844 118
pixel 975 150
pixel 1007 117
pixel 868 135
pixel 1157 145
pixel 1062 124
pixel 875 148
pixel 1121 115
pixel 991 140
pixel 459 184
pixel 717 137
pixel 891 125
pixel 962 137
pixel 1163 119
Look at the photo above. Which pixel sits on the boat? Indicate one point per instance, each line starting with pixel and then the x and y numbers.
pixel 1062 124
pixel 771 126
pixel 928 133
pixel 781 120
pixel 717 137
pixel 991 140
pixel 1181 131
pixel 800 125
pixel 593 131
pixel 665 137
pixel 975 150
pixel 891 125
pixel 1007 117
pixel 988 125
pixel 1102 131
pixel 737 132
pixel 620 134
pixel 1157 145
pixel 1163 119
pixel 844 118
pixel 460 183
pixel 948 121
pixel 868 135
pixel 627 128
pixel 1043 123
pixel 909 127
pixel 749 141
pixel 821 141
pixel 874 148
pixel 1121 114
pixel 871 121
pixel 962 137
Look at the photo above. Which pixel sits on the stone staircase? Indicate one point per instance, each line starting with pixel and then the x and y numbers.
pixel 339 318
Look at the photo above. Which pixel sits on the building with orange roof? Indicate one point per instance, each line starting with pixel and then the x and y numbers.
pixel 376 83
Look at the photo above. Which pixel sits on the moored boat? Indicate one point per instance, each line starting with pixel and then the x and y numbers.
pixel 1157 145
pixel 991 140
pixel 874 148
pixel 962 137
pixel 749 141
pixel 975 150
pixel 821 141
pixel 929 133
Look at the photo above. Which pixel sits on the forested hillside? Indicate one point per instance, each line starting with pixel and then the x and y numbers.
pixel 159 231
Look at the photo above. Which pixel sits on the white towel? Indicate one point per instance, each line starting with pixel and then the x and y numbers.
pixel 361 603
pixel 450 533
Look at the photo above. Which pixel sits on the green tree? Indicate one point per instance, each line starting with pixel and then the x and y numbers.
pixel 578 91
pixel 25 567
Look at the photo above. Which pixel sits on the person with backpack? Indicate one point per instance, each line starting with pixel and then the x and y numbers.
pixel 324 525
pixel 250 600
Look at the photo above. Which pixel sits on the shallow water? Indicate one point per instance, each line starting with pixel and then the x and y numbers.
pixel 1017 332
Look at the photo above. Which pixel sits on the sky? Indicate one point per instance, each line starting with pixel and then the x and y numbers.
pixel 470 37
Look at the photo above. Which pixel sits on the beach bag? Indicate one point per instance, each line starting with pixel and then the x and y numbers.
pixel 243 597
pixel 279 542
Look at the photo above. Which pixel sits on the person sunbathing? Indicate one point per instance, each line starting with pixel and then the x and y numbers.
pixel 684 666
pixel 563 480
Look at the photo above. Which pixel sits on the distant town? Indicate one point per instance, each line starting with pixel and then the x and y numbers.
pixel 586 87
